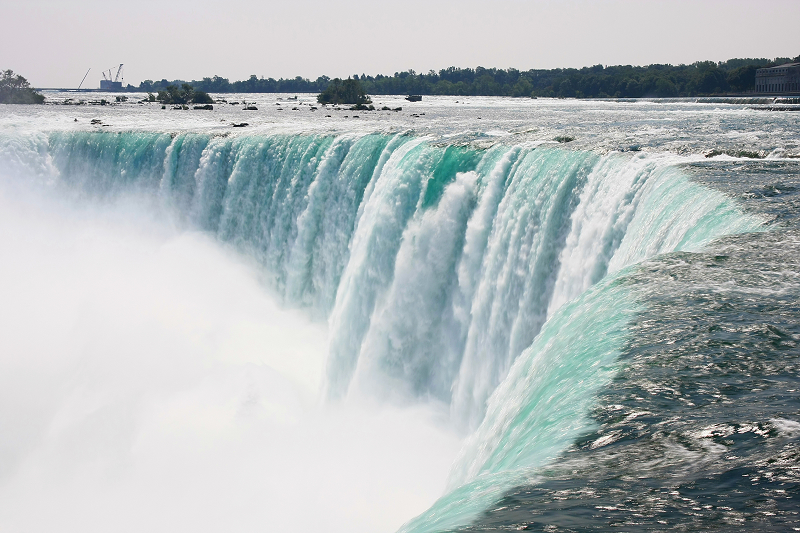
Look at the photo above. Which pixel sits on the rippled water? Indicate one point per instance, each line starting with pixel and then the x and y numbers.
pixel 608 327
pixel 700 429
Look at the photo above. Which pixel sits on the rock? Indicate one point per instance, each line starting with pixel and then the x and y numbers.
pixel 414 98
pixel 251 108
pixel 241 125
pixel 207 107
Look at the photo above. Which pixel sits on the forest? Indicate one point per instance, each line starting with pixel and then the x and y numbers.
pixel 703 78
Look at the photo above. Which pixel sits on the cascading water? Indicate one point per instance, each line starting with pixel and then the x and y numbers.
pixel 490 281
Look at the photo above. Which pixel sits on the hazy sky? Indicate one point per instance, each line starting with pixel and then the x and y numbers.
pixel 53 42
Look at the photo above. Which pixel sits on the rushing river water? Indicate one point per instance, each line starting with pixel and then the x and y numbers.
pixel 432 319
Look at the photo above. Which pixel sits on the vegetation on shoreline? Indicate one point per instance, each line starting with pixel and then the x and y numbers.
pixel 348 91
pixel 703 78
pixel 14 89
pixel 185 94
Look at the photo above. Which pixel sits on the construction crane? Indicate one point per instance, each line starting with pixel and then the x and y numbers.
pixel 110 81
pixel 84 79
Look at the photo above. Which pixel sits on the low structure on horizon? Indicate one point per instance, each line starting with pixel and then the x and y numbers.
pixel 779 79
pixel 111 84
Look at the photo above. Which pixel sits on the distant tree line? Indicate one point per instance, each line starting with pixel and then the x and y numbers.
pixel 622 81
pixel 253 84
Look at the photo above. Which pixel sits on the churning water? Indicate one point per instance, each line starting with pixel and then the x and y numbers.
pixel 435 319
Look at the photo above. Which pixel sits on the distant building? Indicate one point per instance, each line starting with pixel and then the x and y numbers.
pixel 780 79
pixel 111 82
pixel 108 85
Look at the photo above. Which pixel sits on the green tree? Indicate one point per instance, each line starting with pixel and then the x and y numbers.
pixel 665 88
pixel 743 78
pixel 185 94
pixel 348 91
pixel 14 89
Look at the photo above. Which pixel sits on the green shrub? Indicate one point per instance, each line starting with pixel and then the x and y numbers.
pixel 14 89
pixel 348 91
pixel 185 94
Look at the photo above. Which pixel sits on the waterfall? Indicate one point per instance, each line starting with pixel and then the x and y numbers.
pixel 491 281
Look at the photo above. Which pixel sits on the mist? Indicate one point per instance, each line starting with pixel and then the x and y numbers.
pixel 149 381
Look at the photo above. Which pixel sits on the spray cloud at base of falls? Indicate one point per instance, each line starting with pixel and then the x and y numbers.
pixel 448 274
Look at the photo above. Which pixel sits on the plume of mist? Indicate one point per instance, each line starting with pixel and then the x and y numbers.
pixel 150 382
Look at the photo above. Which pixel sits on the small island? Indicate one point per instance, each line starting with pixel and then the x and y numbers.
pixel 15 89
pixel 347 91
pixel 185 94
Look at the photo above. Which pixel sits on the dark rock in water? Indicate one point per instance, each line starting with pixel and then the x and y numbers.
pixel 776 108
pixel 313 108
pixel 207 107
pixel 163 107
pixel 564 139
pixel 414 98
pixel 397 109
pixel 736 153
pixel 96 121
pixel 241 125
pixel 251 108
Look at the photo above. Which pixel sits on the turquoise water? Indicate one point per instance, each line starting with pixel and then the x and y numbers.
pixel 497 282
